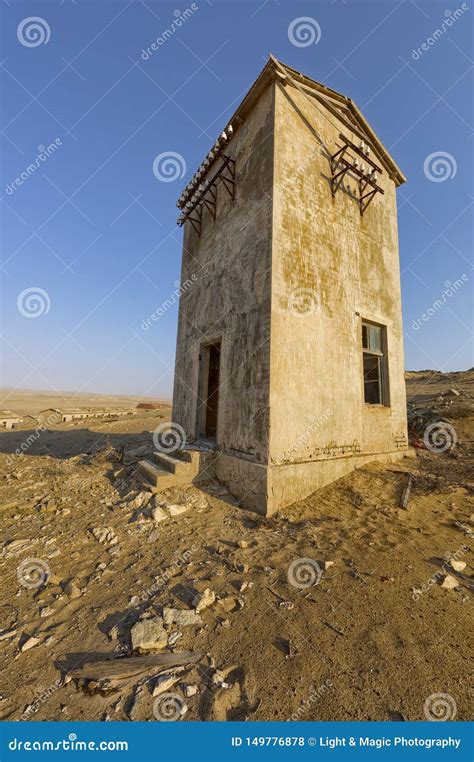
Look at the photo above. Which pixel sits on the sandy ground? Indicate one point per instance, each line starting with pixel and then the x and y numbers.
pixel 333 610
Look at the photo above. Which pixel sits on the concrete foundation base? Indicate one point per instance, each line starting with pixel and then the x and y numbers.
pixel 266 489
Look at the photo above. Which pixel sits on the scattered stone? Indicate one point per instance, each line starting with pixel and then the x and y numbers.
pixel 101 566
pixel 203 600
pixel 218 679
pixel 164 683
pixel 104 535
pixel 158 514
pixel 243 544
pixel 190 690
pixel 174 637
pixel 452 393
pixel 72 589
pixel 46 611
pixel 134 600
pixel 176 510
pixel 149 635
pixel 181 617
pixel 7 634
pixel 241 586
pixel 458 566
pixel 113 633
pixel 30 642
pixel 328 564
pixel 229 603
pixel 15 547
pixel 450 582
pixel 245 568
pixel 142 499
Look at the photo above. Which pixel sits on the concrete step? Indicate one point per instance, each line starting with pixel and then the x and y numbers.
pixel 188 456
pixel 161 478
pixel 172 464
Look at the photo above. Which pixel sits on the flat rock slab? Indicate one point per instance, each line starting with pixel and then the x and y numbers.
pixel 181 617
pixel 149 635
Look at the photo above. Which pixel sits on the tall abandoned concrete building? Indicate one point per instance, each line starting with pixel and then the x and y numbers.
pixel 290 353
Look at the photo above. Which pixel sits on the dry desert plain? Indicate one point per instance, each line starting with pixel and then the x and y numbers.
pixel 375 636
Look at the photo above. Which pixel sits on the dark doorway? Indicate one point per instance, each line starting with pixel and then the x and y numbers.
pixel 212 400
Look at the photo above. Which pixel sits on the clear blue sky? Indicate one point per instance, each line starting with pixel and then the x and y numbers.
pixel 94 228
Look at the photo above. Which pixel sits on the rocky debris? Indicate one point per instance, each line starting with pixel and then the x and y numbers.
pixel 105 535
pixel 328 564
pixel 177 510
pixel 7 634
pixel 451 393
pixel 132 709
pixel 218 679
pixel 15 547
pixel 113 633
pixel 242 544
pixel 458 566
pixel 149 635
pixel 28 643
pixel 140 500
pixel 158 514
pixel 229 603
pixel 134 600
pixel 46 611
pixel 72 590
pixel 189 690
pixel 164 683
pixel 174 637
pixel 203 600
pixel 449 582
pixel 181 617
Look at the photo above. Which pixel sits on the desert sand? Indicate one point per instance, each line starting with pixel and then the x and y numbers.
pixel 336 609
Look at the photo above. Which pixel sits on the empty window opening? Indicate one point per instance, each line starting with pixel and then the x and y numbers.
pixel 375 364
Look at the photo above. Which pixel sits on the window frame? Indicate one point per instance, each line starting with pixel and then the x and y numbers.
pixel 382 363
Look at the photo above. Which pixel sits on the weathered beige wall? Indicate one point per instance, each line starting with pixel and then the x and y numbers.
pixel 349 264
pixel 232 295
pixel 292 415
